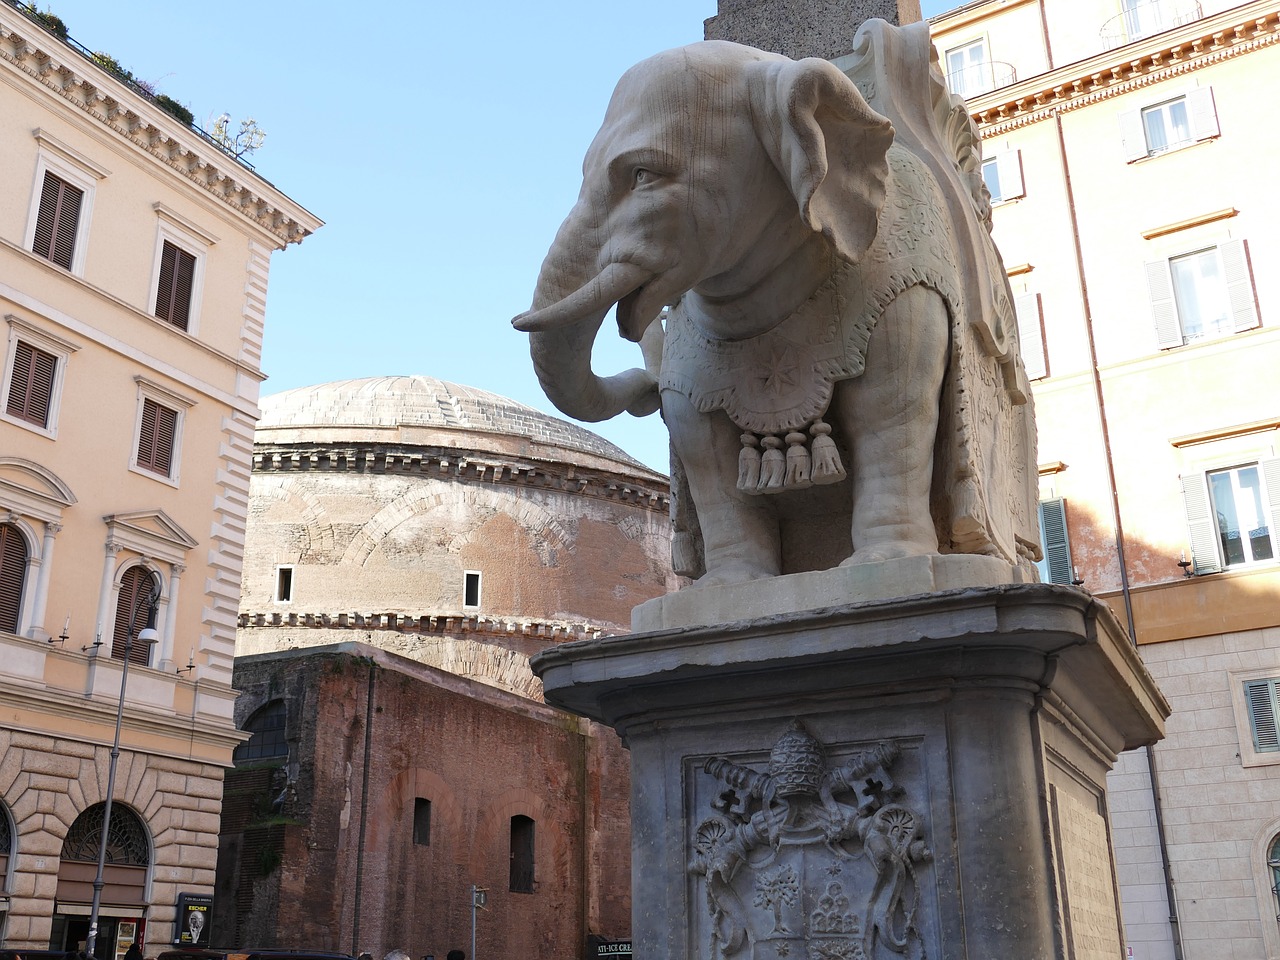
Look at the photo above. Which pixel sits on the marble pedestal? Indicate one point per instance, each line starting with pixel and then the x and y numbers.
pixel 906 778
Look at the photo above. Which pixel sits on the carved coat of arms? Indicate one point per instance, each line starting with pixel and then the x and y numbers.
pixel 807 862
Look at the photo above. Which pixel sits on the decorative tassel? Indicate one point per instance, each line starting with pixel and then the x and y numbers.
pixel 773 466
pixel 797 462
pixel 827 467
pixel 749 464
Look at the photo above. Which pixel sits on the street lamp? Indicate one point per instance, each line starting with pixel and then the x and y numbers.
pixel 146 635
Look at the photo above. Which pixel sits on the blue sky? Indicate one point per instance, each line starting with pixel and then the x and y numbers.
pixel 441 142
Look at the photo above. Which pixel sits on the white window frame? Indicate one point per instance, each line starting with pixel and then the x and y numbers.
pixel 276 598
pixel 1240 292
pixel 61 349
pixel 479 588
pixel 1202 526
pixel 187 236
pixel 150 390
pixel 62 161
pixel 1202 120
pixel 1008 168
pixel 980 88
pixel 1249 755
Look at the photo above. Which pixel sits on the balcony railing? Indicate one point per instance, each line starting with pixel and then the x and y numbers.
pixel 980 78
pixel 1146 20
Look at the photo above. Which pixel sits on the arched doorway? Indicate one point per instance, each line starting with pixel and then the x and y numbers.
pixel 123 906
pixel 6 860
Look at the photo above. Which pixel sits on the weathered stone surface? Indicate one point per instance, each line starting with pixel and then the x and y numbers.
pixel 957 734
pixel 803 28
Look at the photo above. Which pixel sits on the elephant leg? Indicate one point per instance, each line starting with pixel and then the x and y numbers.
pixel 890 418
pixel 740 533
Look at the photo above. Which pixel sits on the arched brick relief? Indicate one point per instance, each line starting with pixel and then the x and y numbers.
pixel 398 798
pixel 541 524
pixel 485 662
pixel 1262 882
pixel 493 832
pixel 292 491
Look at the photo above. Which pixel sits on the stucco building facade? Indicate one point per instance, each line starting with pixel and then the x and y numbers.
pixel 134 257
pixel 1125 153
pixel 411 543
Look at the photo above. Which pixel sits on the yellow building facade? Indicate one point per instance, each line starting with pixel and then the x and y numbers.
pixel 1127 150
pixel 134 256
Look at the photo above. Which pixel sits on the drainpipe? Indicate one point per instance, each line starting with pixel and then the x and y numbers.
pixel 1044 32
pixel 364 808
pixel 1125 591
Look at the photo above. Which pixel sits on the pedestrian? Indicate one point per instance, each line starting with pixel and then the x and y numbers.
pixel 134 952
pixel 455 955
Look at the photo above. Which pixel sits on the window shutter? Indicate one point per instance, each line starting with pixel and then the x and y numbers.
pixel 156 435
pixel 1031 335
pixel 1057 550
pixel 1204 117
pixel 1132 136
pixel 1009 165
pixel 135 589
pixel 1271 482
pixel 56 220
pixel 1200 526
pixel 1262 715
pixel 1235 268
pixel 1164 309
pixel 173 291
pixel 13 570
pixel 31 386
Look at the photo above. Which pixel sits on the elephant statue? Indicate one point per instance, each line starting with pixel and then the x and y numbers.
pixel 804 257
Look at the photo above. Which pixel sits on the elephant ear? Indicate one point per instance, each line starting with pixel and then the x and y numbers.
pixel 828 144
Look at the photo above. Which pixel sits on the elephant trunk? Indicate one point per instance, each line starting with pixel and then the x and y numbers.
pixel 569 306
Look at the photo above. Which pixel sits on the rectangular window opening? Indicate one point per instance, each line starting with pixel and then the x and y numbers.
pixel 521 854
pixel 1260 695
pixel 177 279
pixel 422 822
pixel 57 220
pixel 31 385
pixel 284 584
pixel 471 588
pixel 1242 515
pixel 156 435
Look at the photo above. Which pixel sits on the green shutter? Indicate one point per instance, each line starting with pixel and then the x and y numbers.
pixel 1164 309
pixel 1200 525
pixel 1057 548
pixel 1262 714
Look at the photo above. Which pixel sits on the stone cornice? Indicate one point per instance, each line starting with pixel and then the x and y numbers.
pixel 427 624
pixel 1191 47
pixel 448 463
pixel 65 72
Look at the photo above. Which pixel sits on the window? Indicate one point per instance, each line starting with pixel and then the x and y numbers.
pixel 1056 565
pixel 1260 696
pixel 158 431
pixel 1233 514
pixel 968 71
pixel 57 220
pixel 31 384
pixel 1031 335
pixel 13 572
pixel 156 436
pixel 471 588
pixel 1003 176
pixel 267 726
pixel 1145 18
pixel 34 371
pixel 521 855
pixel 284 584
pixel 135 608
pixel 1202 294
pixel 422 822
pixel 61 203
pixel 174 288
pixel 1169 125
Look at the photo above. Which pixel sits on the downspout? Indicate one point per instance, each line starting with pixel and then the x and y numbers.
pixel 1125 591
pixel 1044 32
pixel 364 807
pixel 584 732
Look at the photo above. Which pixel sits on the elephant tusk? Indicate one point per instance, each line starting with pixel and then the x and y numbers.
pixel 594 297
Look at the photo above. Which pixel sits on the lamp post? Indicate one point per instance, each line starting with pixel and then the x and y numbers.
pixel 146 635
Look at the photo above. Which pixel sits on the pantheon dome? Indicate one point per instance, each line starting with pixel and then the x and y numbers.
pixel 419 509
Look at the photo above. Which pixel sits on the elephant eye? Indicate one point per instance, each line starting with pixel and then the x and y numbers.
pixel 641 176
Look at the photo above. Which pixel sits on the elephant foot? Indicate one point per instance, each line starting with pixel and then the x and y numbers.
pixel 729 573
pixel 888 550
